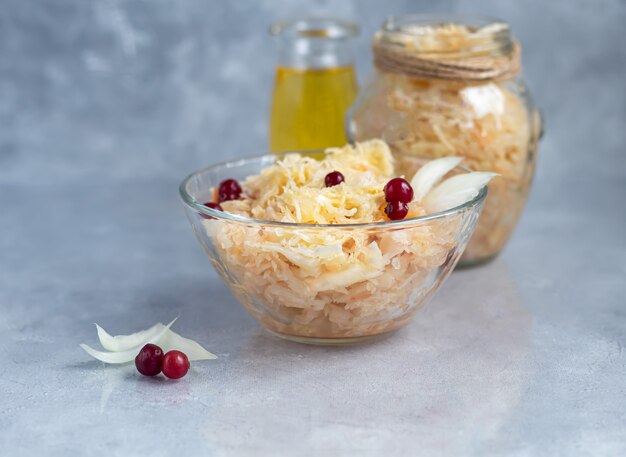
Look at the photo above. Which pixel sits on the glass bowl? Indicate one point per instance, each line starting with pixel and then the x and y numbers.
pixel 328 284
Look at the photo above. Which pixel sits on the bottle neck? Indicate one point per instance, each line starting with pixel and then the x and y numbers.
pixel 315 44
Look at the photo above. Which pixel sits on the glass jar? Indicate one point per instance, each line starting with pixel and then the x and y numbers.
pixel 315 84
pixel 452 86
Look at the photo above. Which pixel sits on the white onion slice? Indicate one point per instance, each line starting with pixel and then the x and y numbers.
pixel 124 356
pixel 168 341
pixel 457 190
pixel 430 174
pixel 125 342
pixel 124 348
pixel 193 350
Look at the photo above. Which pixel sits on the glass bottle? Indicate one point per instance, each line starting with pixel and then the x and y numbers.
pixel 452 86
pixel 314 86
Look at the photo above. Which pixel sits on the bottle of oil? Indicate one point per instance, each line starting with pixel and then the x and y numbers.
pixel 315 84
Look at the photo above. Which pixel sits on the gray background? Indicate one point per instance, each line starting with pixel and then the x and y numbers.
pixel 106 105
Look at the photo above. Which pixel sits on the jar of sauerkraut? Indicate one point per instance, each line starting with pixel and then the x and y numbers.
pixel 452 86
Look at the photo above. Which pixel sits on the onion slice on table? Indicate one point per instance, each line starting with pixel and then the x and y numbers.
pixel 123 356
pixel 124 348
pixel 125 342
pixel 192 349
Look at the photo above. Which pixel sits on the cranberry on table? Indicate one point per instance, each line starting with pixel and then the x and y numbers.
pixel 148 361
pixel 398 190
pixel 396 210
pixel 175 364
pixel 229 190
pixel 333 178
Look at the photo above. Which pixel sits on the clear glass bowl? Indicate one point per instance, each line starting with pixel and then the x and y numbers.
pixel 328 284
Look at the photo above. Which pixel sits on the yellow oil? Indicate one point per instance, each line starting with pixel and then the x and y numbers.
pixel 309 107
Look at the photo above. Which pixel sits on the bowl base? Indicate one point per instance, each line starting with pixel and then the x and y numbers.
pixel 338 341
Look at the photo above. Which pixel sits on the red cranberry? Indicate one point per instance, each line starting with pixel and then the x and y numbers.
pixel 333 178
pixel 398 190
pixel 175 364
pixel 229 190
pixel 396 210
pixel 148 361
pixel 211 205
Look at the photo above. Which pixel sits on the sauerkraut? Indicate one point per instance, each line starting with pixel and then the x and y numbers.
pixel 486 124
pixel 490 123
pixel 333 282
pixel 293 189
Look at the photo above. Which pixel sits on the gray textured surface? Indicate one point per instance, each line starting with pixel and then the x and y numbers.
pixel 105 105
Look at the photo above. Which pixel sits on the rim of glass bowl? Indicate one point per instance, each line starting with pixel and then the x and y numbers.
pixel 272 158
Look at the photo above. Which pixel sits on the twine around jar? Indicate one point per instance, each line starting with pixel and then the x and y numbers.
pixel 399 59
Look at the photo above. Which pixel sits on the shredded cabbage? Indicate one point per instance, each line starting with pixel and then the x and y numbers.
pixel 293 189
pixel 329 282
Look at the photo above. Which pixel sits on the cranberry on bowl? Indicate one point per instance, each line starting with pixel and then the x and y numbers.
pixel 338 250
